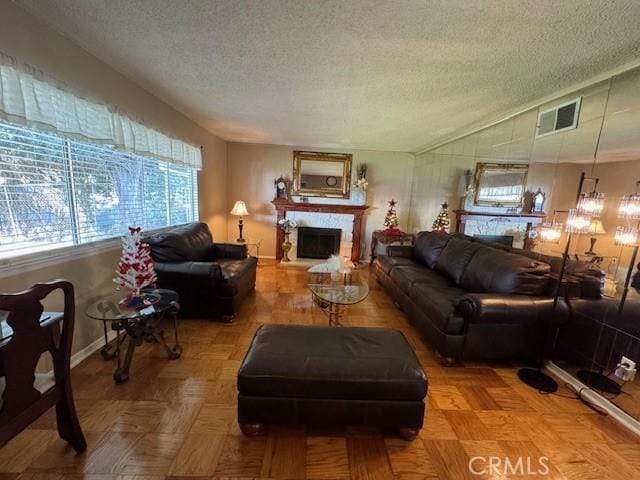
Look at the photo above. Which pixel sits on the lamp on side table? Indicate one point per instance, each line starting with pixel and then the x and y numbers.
pixel 240 210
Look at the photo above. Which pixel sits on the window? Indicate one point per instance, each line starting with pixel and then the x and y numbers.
pixel 56 192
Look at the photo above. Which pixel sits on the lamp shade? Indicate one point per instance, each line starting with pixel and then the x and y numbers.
pixel 240 209
pixel 630 207
pixel 577 222
pixel 596 228
pixel 549 232
pixel 591 204
pixel 627 236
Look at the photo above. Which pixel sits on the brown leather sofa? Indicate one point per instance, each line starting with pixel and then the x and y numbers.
pixel 211 278
pixel 477 300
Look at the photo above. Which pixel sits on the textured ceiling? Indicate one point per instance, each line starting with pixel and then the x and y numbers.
pixel 385 75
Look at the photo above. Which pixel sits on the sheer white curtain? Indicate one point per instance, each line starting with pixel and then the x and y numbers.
pixel 28 97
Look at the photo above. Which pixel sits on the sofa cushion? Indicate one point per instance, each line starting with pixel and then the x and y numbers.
pixel 497 271
pixel 232 273
pixel 455 257
pixel 386 263
pixel 438 303
pixel 335 363
pixel 191 242
pixel 404 276
pixel 428 247
pixel 587 276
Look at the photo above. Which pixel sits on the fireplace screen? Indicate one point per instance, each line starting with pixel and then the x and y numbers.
pixel 318 242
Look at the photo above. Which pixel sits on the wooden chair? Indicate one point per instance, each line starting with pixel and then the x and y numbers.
pixel 36 332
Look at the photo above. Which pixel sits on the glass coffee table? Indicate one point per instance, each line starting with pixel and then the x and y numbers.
pixel 332 291
pixel 140 324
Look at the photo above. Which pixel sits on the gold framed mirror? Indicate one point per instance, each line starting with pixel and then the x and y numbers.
pixel 500 184
pixel 321 174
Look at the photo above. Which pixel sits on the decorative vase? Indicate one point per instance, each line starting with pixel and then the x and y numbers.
pixel 358 196
pixel 286 246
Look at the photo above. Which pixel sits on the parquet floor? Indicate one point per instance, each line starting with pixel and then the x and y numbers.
pixel 177 418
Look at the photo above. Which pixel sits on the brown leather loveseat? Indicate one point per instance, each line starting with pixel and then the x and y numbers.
pixel 211 278
pixel 471 299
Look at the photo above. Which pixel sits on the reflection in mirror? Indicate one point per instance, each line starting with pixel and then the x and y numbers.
pixel 600 342
pixel 318 174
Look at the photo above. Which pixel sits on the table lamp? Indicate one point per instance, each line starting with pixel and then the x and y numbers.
pixel 240 210
pixel 595 228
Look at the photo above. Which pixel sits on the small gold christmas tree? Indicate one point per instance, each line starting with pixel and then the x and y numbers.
pixel 441 223
pixel 391 218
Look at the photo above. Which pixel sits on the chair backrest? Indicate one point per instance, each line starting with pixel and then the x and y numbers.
pixel 187 243
pixel 32 336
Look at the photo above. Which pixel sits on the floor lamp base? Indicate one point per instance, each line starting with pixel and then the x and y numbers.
pixel 598 381
pixel 538 380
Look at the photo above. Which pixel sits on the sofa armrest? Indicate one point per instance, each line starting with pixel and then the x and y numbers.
pixel 228 251
pixel 405 251
pixel 175 272
pixel 500 308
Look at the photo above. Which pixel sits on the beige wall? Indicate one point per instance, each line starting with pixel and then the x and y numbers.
pixel 253 168
pixel 27 39
pixel 91 276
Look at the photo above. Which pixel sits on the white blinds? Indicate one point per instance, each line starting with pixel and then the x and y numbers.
pixel 30 99
pixel 56 192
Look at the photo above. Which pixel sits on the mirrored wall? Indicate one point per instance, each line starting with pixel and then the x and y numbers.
pixel 605 146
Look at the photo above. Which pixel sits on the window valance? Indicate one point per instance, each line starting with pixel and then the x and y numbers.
pixel 30 98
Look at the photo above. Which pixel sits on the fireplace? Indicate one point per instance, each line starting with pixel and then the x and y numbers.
pixel 318 242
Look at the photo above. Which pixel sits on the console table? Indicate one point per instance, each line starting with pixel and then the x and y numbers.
pixel 358 211
pixel 531 219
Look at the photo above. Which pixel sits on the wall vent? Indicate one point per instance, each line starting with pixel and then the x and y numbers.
pixel 559 118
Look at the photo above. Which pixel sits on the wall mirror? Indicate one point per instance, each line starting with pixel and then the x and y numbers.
pixel 319 174
pixel 500 184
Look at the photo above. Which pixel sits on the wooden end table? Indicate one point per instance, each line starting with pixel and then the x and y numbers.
pixel 379 236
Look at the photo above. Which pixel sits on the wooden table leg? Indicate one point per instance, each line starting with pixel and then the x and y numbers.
pixel 374 245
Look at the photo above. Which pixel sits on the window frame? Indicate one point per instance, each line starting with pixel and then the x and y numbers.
pixel 54 254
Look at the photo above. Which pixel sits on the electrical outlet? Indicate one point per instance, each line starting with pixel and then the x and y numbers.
pixel 626 369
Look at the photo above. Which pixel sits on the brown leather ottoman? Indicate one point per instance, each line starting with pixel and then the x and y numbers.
pixel 294 374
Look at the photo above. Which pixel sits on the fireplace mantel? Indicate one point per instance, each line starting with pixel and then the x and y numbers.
pixel 358 211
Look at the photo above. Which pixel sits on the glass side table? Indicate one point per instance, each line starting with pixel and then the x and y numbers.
pixel 251 242
pixel 333 292
pixel 140 325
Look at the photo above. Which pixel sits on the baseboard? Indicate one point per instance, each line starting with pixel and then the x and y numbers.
pixel 93 347
pixel 595 398
pixel 87 351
